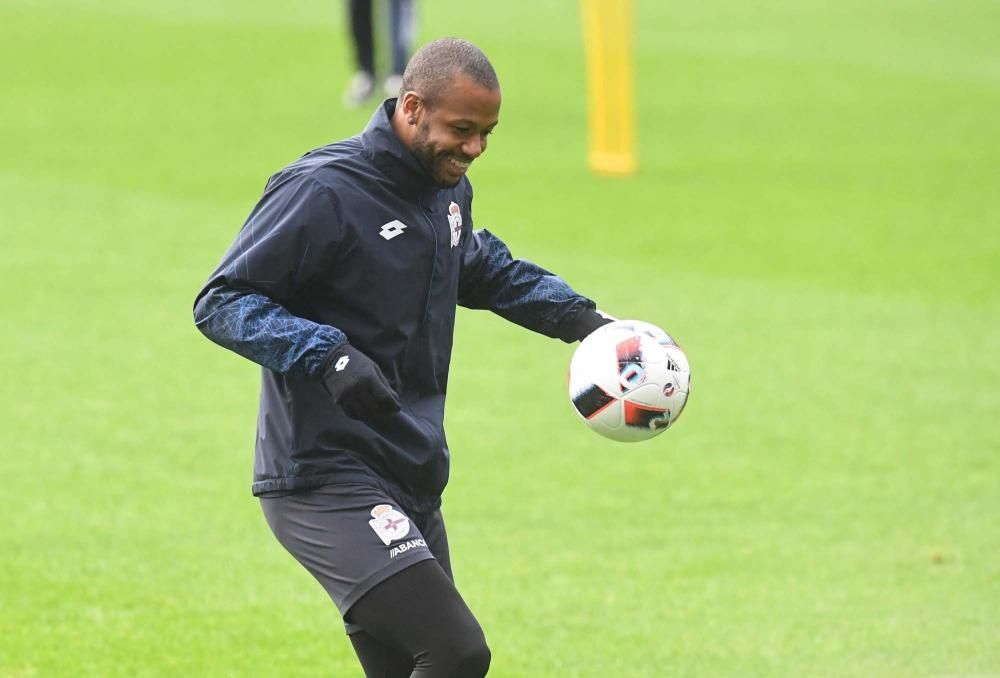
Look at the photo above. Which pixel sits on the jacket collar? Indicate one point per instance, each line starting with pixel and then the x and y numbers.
pixel 392 157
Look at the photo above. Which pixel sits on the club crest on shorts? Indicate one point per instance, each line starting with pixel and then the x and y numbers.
pixel 389 524
pixel 455 221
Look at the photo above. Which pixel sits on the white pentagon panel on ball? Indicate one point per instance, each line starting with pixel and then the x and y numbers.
pixel 629 380
pixel 658 334
pixel 648 395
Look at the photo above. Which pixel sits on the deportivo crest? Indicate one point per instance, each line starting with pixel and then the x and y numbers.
pixel 455 221
pixel 389 524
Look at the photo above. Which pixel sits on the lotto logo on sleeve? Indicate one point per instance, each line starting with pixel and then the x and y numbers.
pixel 389 524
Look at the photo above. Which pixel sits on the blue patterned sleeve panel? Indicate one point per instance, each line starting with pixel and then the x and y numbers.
pixel 265 332
pixel 518 290
pixel 242 307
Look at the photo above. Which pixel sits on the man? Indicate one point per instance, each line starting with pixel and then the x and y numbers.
pixel 343 285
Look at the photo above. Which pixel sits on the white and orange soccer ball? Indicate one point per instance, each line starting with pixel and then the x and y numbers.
pixel 629 380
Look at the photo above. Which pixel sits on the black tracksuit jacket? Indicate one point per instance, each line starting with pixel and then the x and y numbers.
pixel 353 242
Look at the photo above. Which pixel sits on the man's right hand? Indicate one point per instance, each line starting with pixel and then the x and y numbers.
pixel 357 384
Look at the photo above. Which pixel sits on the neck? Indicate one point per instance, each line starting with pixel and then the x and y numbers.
pixel 402 129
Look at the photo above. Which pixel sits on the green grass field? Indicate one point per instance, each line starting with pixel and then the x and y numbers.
pixel 816 218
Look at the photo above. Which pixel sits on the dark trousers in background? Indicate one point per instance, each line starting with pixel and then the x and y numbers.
pixel 402 30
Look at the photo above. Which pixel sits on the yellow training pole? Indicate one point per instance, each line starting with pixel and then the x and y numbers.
pixel 607 38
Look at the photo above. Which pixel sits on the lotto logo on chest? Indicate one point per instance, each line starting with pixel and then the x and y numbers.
pixel 392 229
pixel 455 222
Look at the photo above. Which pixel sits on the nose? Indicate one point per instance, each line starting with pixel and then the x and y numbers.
pixel 474 147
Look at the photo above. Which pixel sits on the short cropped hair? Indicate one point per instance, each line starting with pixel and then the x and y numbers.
pixel 435 65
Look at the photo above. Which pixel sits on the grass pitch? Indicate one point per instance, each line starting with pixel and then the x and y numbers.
pixel 815 218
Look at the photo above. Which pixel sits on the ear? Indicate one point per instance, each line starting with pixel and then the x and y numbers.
pixel 411 105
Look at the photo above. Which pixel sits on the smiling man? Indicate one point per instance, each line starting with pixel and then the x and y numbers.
pixel 447 123
pixel 343 284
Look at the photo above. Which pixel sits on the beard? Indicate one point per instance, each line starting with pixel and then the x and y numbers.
pixel 430 159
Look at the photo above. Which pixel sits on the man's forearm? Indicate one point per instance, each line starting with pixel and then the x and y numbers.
pixel 264 331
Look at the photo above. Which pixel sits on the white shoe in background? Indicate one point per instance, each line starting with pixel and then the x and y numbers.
pixel 359 89
pixel 392 84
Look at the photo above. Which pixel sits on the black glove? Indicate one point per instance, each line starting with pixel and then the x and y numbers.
pixel 357 384
pixel 582 324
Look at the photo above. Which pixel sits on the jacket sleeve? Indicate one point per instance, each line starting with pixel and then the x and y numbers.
pixel 518 290
pixel 245 305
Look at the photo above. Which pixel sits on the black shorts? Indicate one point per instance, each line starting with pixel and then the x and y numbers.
pixel 351 537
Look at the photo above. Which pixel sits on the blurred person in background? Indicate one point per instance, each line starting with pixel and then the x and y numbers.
pixel 402 30
pixel 343 285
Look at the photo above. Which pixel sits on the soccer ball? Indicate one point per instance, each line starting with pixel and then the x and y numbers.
pixel 629 380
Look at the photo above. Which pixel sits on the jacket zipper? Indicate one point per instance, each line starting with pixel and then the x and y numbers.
pixel 430 286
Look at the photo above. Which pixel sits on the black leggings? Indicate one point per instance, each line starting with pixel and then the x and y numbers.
pixel 416 625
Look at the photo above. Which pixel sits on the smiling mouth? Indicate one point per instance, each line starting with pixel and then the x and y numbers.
pixel 459 165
